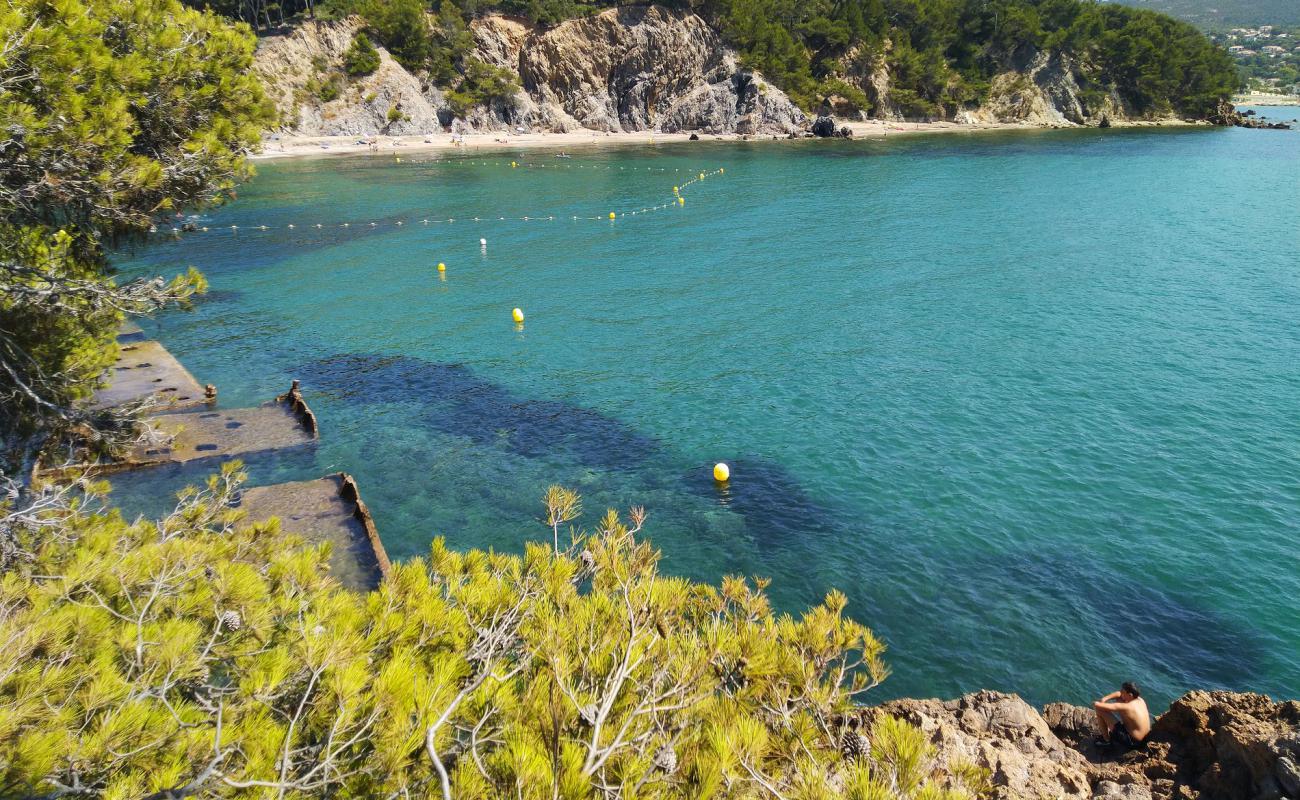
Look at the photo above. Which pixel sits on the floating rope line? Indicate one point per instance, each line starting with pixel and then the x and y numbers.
pixel 677 201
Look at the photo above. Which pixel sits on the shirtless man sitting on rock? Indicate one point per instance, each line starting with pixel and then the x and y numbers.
pixel 1123 717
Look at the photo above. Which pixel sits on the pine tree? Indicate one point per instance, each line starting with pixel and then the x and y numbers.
pixel 116 114
pixel 202 656
pixel 361 57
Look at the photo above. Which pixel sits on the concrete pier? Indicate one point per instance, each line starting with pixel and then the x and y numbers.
pixel 145 368
pixel 221 434
pixel 330 510
pixel 192 429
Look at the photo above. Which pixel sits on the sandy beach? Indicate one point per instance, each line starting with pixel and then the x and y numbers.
pixel 291 145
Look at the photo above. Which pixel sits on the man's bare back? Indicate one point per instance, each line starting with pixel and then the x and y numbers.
pixel 1123 717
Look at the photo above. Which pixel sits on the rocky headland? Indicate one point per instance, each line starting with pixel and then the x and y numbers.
pixel 626 70
pixel 1207 746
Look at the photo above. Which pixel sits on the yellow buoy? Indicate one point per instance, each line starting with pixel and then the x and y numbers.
pixel 676 189
pixel 442 267
pixel 611 215
pixel 681 201
pixel 721 170
pixel 701 176
pixel 721 472
pixel 518 316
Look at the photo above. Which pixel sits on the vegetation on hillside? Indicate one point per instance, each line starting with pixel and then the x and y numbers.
pixel 115 114
pixel 200 657
pixel 941 54
pixel 361 58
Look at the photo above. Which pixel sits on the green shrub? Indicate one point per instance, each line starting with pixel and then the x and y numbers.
pixel 853 96
pixel 361 58
pixel 326 87
pixel 402 27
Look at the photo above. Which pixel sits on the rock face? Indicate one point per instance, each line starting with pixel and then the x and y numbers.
pixel 295 67
pixel 1006 736
pixel 1213 746
pixel 1208 746
pixel 1045 92
pixel 642 68
pixel 824 126
pixel 626 69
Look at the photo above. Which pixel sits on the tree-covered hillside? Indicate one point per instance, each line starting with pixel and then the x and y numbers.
pixel 1213 14
pixel 941 54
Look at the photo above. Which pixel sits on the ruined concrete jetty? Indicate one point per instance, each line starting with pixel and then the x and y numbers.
pixel 190 428
pixel 330 510
pixel 145 369
pixel 221 434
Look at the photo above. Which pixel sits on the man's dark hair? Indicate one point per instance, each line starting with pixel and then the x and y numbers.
pixel 1130 687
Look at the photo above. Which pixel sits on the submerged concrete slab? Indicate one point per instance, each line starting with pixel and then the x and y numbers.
pixel 222 434
pixel 326 510
pixel 145 368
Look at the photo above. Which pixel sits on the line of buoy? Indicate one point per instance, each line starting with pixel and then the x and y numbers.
pixel 612 215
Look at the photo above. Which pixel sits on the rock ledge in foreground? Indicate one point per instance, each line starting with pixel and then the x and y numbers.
pixel 1208 746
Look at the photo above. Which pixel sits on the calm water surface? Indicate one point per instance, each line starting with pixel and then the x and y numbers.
pixel 1029 399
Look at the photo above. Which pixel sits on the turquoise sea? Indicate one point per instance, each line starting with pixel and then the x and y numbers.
pixel 1032 400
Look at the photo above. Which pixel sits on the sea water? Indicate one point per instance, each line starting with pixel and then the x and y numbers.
pixel 1032 400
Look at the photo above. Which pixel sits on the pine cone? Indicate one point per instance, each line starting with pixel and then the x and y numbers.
pixel 588 714
pixel 231 621
pixel 588 560
pixel 854 746
pixel 666 759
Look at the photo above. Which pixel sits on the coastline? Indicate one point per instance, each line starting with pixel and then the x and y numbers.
pixel 299 145
pixel 1266 100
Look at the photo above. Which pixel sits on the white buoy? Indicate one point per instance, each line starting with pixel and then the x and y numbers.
pixel 483 242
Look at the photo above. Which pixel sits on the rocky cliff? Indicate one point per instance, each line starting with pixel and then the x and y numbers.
pixel 1045 91
pixel 627 69
pixel 1208 746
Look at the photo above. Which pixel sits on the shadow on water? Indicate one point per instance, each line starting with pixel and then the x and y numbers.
pixel 1166 639
pixel 1158 630
pixel 778 512
pixel 451 398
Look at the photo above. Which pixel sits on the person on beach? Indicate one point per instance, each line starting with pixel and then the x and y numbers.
pixel 1123 717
